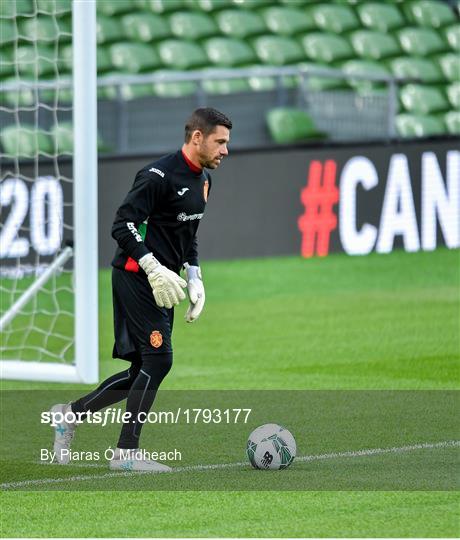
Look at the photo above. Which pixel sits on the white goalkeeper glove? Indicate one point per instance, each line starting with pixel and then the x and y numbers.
pixel 196 294
pixel 166 285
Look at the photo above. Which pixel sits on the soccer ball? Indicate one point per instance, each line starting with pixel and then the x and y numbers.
pixel 271 447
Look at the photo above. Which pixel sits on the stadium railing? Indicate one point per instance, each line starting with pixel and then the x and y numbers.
pixel 343 106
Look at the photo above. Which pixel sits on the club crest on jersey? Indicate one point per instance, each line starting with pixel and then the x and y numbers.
pixel 205 190
pixel 156 339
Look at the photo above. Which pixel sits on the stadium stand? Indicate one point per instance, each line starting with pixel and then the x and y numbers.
pixel 418 40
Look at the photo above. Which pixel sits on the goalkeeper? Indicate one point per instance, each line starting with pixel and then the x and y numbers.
pixel 156 231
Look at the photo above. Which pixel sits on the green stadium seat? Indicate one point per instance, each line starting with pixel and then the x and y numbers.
pixel 108 29
pixel 278 50
pixel 253 4
pixel 54 95
pixel 450 66
pixel 7 32
pixel 46 29
pixel 223 51
pixel 374 45
pixel 288 125
pixel 54 7
pixel 62 135
pixel 114 7
pixel 192 25
pixel 126 91
pixel 31 61
pixel 452 34
pixel 24 97
pixel 287 21
pixel 225 86
pixel 104 62
pixel 108 92
pixel 240 23
pixel 413 126
pixel 181 54
pixel 364 67
pixel 9 10
pixel 420 99
pixel 334 18
pixel 26 141
pixel 416 68
pixel 61 95
pixel 421 41
pixel 320 83
pixel 6 63
pixel 324 47
pixel 169 89
pixel 432 13
pixel 133 57
pixel 209 5
pixel 452 121
pixel 145 27
pixel 381 17
pixel 66 59
pixel 161 6
pixel 258 82
pixel 453 94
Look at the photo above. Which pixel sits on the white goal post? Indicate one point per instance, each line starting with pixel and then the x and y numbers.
pixel 83 367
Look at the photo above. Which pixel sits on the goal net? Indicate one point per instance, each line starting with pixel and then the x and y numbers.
pixel 48 190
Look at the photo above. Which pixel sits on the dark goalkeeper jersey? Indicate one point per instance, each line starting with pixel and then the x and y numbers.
pixel 161 214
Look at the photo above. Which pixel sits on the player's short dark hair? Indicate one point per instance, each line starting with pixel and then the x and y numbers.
pixel 205 119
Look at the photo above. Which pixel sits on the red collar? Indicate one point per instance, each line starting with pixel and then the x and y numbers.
pixel 191 165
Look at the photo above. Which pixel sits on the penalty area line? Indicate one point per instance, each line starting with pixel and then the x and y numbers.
pixel 366 452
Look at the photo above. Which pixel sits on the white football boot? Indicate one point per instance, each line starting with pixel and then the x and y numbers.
pixel 131 462
pixel 63 435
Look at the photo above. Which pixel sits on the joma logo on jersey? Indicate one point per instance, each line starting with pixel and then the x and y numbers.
pixel 157 171
pixel 184 217
pixel 135 232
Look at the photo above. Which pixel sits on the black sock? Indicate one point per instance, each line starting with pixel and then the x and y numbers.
pixel 112 390
pixel 154 369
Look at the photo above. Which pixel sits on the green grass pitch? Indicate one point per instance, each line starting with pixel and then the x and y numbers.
pixel 381 322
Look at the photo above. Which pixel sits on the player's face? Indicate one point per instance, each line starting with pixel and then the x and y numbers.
pixel 213 148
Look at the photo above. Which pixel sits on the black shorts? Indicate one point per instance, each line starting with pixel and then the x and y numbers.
pixel 141 327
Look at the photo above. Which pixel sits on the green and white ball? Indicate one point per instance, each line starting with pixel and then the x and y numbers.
pixel 271 447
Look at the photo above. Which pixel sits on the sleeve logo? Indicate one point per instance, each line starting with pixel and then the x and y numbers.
pixel 157 171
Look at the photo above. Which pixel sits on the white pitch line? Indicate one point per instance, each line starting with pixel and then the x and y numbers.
pixel 316 457
pixel 376 451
